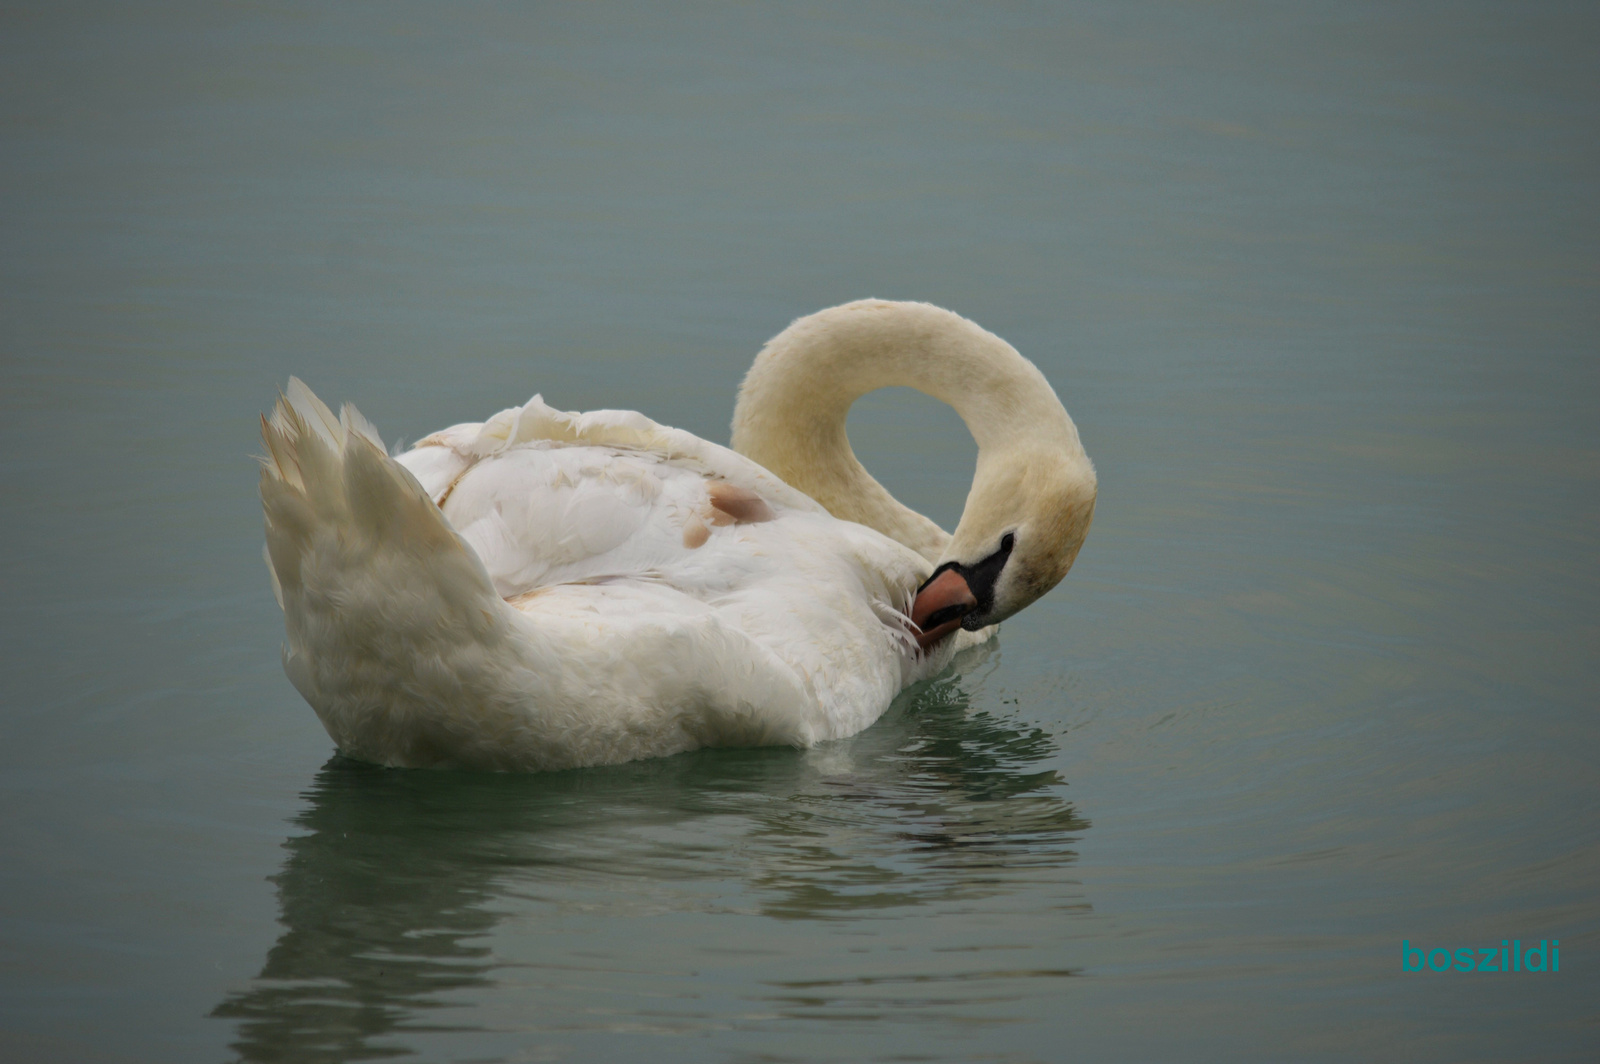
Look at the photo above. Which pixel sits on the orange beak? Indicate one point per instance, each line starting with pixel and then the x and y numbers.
pixel 939 607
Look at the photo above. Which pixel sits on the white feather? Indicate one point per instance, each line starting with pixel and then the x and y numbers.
pixel 550 615
pixel 548 590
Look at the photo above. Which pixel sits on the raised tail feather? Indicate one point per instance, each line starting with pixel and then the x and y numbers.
pixel 383 602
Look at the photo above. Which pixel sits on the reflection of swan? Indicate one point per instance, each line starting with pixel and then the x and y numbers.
pixel 547 590
pixel 957 803
pixel 395 882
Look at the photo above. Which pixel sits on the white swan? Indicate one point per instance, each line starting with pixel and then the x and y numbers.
pixel 550 590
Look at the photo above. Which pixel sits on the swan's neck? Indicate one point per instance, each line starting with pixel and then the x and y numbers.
pixel 794 402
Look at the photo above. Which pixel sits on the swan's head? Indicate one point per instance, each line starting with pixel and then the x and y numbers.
pixel 1025 520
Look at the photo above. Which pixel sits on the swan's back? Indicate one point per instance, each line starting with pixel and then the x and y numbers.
pixel 641 592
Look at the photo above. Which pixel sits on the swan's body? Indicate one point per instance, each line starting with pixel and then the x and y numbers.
pixel 549 590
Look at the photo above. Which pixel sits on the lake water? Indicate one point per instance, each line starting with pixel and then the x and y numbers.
pixel 1320 283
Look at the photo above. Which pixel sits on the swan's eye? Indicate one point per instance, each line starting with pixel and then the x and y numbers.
pixel 1007 541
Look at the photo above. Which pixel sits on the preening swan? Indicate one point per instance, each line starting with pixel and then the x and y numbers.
pixel 550 590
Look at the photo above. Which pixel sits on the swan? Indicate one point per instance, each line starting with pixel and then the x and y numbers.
pixel 548 590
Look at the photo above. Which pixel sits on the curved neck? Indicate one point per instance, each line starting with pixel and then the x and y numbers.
pixel 794 402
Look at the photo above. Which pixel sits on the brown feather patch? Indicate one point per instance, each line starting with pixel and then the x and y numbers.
pixel 744 507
